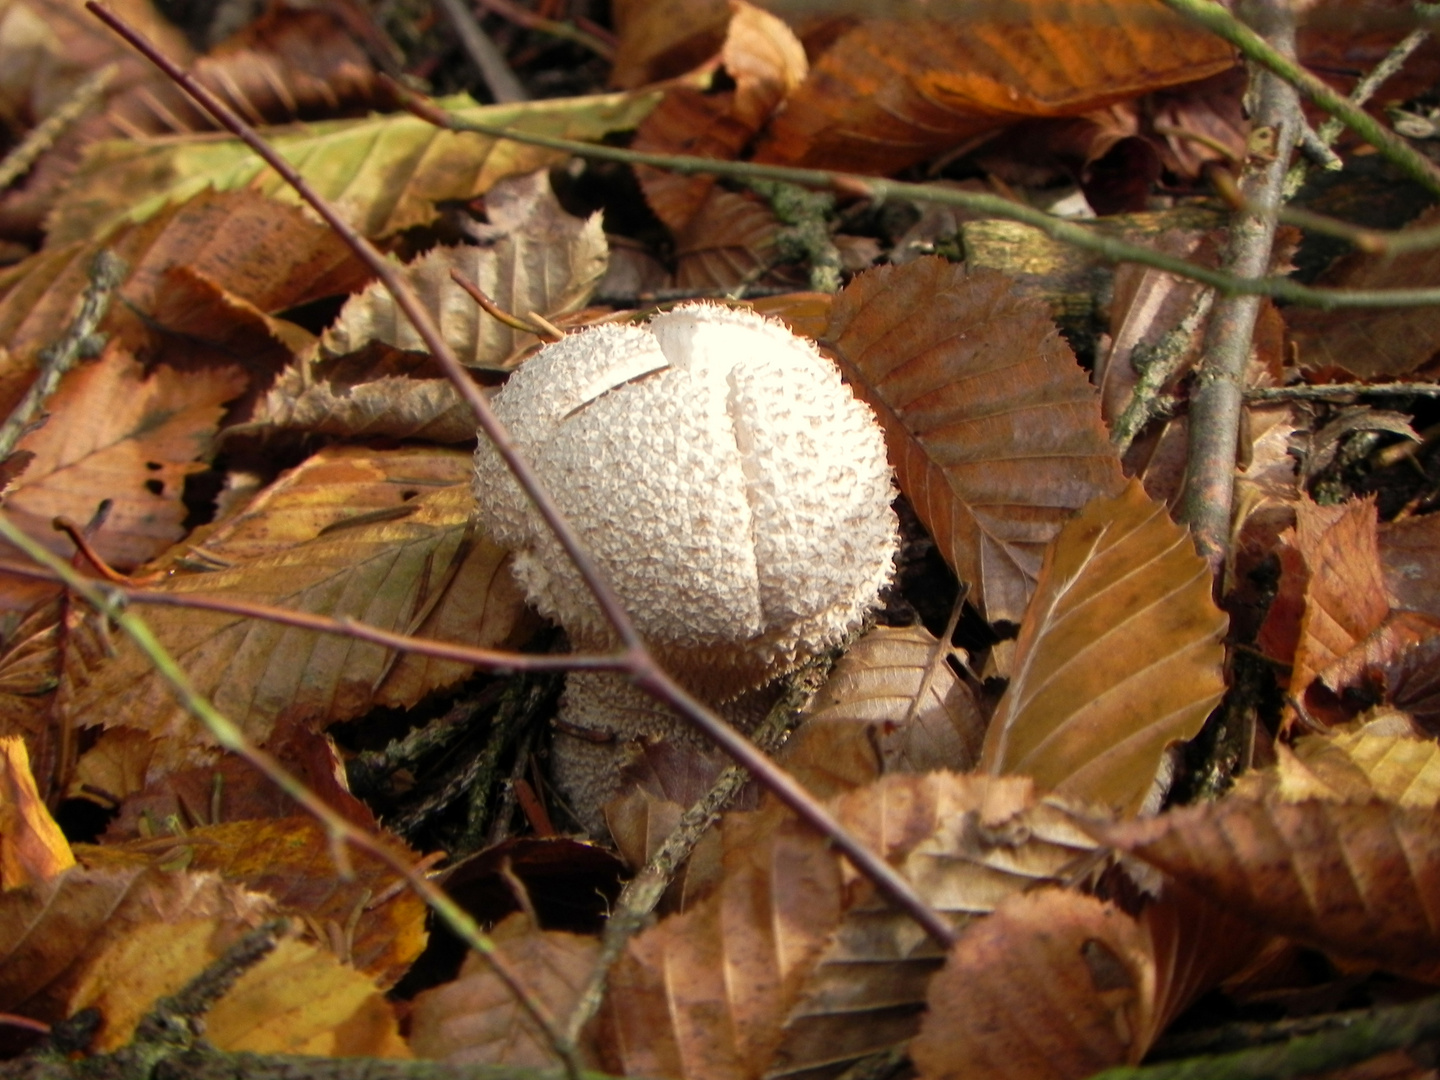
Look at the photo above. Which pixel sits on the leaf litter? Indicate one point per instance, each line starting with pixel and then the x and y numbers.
pixel 265 428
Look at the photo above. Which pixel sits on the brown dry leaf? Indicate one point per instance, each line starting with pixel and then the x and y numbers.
pixel 1352 766
pixel 662 38
pixel 376 393
pixel 793 964
pixel 1055 985
pixel 994 431
pixel 370 920
pixel 766 62
pixel 264 254
pixel 338 487
pixel 1332 580
pixel 476 1020
pixel 1410 556
pixel 424 571
pixel 302 999
pixel 866 720
pixel 51 932
pixel 1379 343
pixel 120 434
pixel 1120 655
pixel 1398 664
pixel 33 850
pixel 895 91
pixel 730 240
pixel 533 257
pixel 967 843
pixel 1359 879
pixel 290 64
pixel 114 771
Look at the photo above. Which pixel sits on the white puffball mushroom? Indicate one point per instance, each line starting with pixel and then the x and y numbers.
pixel 727 481
pixel 724 477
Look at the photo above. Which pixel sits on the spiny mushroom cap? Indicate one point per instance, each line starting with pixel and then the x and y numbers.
pixel 733 488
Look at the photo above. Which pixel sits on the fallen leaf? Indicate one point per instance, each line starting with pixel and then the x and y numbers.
pixel 894 91
pixel 422 570
pixel 1359 879
pixel 50 932
pixel 534 258
pixel 476 1020
pixel 32 847
pixel 866 720
pixel 994 431
pixel 368 918
pixel 120 434
pixel 1120 655
pixel 384 173
pixel 1053 985
pixel 302 999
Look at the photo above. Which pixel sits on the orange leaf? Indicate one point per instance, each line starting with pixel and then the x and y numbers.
pixel 893 92
pixel 32 847
pixel 117 433
pixel 993 429
pixel 1119 656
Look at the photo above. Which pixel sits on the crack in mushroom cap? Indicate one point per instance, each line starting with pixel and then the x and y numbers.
pixel 733 488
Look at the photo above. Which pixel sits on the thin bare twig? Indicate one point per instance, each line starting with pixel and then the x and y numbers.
pixel 644 671
pixel 1077 234
pixel 483 53
pixel 1254 46
pixel 1155 365
pixel 490 659
pixel 528 19
pixel 106 272
pixel 1217 400
pixel 41 137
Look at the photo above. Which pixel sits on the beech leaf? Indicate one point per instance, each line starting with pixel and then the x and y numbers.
pixel 385 173
pixel 993 429
pixel 867 720
pixel 1360 879
pixel 895 91
pixel 1119 656
pixel 1054 985
pixel 420 567
pixel 535 258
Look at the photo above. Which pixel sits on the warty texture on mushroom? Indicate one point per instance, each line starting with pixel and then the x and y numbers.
pixel 734 490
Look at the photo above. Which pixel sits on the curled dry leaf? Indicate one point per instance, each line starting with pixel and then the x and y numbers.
pixel 1332 593
pixel 993 429
pixel 534 258
pixel 1119 656
pixel 385 173
pixel 867 720
pixel 476 1020
pixel 1359 879
pixel 416 567
pixel 662 38
pixel 1053 986
pixel 894 91
pixel 32 847
pixel 766 61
